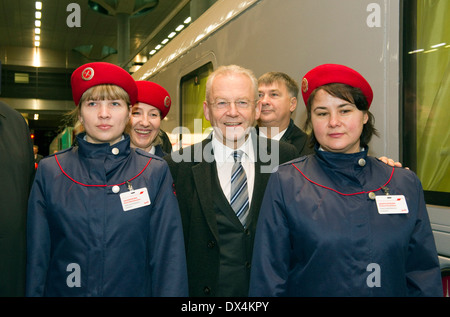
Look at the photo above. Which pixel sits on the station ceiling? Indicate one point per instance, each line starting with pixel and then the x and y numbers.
pixel 89 27
pixel 74 32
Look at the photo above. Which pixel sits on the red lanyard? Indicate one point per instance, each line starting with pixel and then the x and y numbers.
pixel 79 183
pixel 364 192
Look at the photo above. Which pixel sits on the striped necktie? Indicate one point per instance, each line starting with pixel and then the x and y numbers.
pixel 239 192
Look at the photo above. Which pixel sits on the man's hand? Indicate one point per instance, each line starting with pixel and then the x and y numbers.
pixel 389 161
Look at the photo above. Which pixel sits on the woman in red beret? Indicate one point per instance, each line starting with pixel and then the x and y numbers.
pixel 339 222
pixel 102 218
pixel 153 104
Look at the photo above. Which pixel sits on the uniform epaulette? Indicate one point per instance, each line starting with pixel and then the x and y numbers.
pixel 296 160
pixel 147 154
pixel 60 152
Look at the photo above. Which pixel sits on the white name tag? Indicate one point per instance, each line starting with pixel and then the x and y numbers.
pixel 391 204
pixel 135 199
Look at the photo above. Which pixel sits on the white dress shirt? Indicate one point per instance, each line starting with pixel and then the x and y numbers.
pixel 277 137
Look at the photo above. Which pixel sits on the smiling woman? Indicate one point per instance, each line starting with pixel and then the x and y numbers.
pixel 153 105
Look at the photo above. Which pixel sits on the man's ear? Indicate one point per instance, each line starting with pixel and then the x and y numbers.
pixel 293 104
pixel 206 110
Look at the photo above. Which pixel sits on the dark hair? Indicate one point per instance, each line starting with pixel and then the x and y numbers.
pixel 348 93
pixel 273 77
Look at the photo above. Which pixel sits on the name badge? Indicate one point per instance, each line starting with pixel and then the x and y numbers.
pixel 391 204
pixel 135 199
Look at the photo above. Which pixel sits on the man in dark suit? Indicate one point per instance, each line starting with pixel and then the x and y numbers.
pixel 218 245
pixel 278 96
pixel 16 175
pixel 37 157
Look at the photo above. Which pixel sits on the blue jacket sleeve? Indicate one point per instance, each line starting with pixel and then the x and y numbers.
pixel 38 238
pixel 423 270
pixel 271 255
pixel 167 251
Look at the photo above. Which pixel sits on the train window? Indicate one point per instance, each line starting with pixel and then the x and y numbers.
pixel 425 95
pixel 193 87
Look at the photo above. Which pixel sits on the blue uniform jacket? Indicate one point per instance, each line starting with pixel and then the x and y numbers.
pixel 320 234
pixel 80 240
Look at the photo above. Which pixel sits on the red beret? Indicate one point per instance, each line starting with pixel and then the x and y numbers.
pixel 334 73
pixel 100 73
pixel 154 95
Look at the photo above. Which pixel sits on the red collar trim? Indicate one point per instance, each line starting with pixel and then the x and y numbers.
pixel 364 192
pixel 79 183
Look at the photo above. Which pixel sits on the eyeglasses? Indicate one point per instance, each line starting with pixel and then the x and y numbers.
pixel 222 103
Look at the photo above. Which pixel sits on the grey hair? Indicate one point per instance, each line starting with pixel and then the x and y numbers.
pixel 230 70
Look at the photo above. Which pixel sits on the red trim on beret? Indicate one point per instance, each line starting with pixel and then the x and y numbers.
pixel 334 73
pixel 100 73
pixel 154 95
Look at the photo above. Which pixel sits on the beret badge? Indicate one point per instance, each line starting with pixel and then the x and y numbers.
pixel 305 85
pixel 167 102
pixel 87 73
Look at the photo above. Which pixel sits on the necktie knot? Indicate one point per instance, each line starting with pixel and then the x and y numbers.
pixel 237 155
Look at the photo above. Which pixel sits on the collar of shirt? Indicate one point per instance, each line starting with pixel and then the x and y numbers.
pixel 275 137
pixel 85 138
pixel 361 149
pixel 224 154
pixel 99 150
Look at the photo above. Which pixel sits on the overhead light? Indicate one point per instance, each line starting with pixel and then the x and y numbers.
pixel 416 51
pixel 37 24
pixel 37 56
pixel 438 45
pixel 36 116
pixel 171 35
